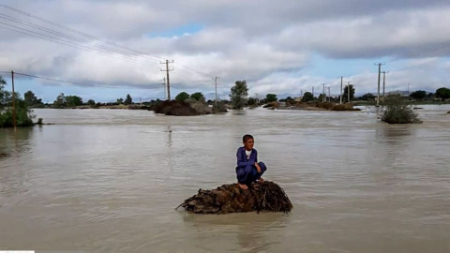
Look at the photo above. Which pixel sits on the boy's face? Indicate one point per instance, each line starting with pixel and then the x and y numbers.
pixel 248 145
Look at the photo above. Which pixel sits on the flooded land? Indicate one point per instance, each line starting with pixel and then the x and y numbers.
pixel 109 180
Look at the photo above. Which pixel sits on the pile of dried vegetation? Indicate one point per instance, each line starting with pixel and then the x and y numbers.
pixel 261 197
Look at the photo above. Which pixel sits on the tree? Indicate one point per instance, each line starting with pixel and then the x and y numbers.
pixel 418 95
pixel 31 99
pixel 2 91
pixel 239 93
pixel 368 97
pixel 72 101
pixel 23 114
pixel 91 102
pixel 321 98
pixel 307 96
pixel 128 100
pixel 119 101
pixel 198 96
pixel 183 96
pixel 345 94
pixel 251 101
pixel 271 98
pixel 60 100
pixel 443 93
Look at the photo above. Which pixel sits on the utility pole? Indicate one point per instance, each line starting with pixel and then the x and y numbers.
pixel 168 79
pixel 329 94
pixel 408 90
pixel 164 85
pixel 323 92
pixel 379 79
pixel 14 101
pixel 313 91
pixel 348 92
pixel 215 81
pixel 384 82
pixel 340 102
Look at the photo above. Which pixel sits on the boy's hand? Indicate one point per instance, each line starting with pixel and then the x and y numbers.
pixel 258 168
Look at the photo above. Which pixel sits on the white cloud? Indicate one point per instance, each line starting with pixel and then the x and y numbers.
pixel 264 42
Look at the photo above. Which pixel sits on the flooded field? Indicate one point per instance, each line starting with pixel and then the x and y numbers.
pixel 109 180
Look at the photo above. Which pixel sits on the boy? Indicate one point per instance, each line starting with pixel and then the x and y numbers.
pixel 248 169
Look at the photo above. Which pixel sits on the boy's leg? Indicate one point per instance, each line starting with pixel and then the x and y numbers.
pixel 244 176
pixel 263 169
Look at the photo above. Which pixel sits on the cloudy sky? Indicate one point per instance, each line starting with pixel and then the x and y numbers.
pixel 108 48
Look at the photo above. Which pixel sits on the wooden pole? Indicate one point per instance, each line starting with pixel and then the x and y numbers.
pixel 14 102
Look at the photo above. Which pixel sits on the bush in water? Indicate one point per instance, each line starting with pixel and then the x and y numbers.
pixel 396 111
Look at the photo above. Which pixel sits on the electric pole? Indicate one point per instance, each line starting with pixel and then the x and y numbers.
pixel 164 85
pixel 14 102
pixel 340 102
pixel 215 81
pixel 348 91
pixel 323 92
pixel 329 94
pixel 168 79
pixel 313 91
pixel 384 82
pixel 379 79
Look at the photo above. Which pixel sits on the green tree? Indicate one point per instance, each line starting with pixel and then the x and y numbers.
pixel 91 102
pixel 307 96
pixel 271 98
pixel 72 101
pixel 443 93
pixel 368 97
pixel 345 94
pixel 23 114
pixel 183 96
pixel 128 100
pixel 119 101
pixel 60 101
pixel 198 96
pixel 239 93
pixel 321 98
pixel 31 99
pixel 251 101
pixel 418 95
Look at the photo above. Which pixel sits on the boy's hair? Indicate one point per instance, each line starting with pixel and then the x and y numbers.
pixel 247 137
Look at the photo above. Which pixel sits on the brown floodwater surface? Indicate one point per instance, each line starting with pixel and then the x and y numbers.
pixel 109 180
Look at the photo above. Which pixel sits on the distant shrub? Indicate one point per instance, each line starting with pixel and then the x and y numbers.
pixel 396 111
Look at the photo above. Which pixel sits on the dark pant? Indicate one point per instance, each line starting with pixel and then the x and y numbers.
pixel 249 174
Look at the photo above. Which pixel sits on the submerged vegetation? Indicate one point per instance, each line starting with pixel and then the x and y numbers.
pixel 396 111
pixel 24 116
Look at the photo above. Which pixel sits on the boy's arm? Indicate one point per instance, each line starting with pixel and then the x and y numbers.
pixel 241 160
pixel 256 156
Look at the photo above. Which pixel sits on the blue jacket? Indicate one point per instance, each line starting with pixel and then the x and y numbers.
pixel 242 160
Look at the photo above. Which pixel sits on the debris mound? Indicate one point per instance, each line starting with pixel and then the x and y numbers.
pixel 230 198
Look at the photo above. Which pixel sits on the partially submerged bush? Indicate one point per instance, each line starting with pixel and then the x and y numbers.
pixel 23 116
pixel 175 108
pixel 219 108
pixel 396 111
pixel 344 107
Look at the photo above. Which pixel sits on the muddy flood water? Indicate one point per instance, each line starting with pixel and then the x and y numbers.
pixel 109 180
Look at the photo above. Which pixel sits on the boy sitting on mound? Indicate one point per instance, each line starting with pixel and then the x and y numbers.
pixel 248 169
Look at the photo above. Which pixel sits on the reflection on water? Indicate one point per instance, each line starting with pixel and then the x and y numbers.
pixel 108 181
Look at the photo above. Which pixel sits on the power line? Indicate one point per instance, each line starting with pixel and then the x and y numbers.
pixel 64 42
pixel 94 37
pixel 71 82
